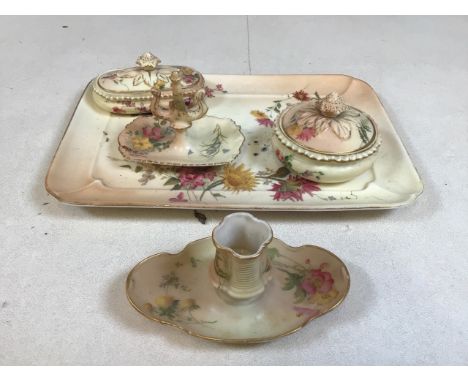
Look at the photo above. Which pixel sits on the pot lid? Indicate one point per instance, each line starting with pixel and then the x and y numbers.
pixel 327 126
pixel 135 83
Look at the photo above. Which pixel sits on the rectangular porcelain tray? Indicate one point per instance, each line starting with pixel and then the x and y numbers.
pixel 88 169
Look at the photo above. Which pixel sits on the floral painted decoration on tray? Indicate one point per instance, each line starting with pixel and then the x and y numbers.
pixel 210 92
pixel 284 186
pixel 266 118
pixel 193 184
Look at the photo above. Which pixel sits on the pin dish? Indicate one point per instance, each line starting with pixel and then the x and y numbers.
pixel 210 141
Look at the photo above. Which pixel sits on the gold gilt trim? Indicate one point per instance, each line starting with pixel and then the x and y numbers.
pixel 243 341
pixel 73 197
pixel 124 150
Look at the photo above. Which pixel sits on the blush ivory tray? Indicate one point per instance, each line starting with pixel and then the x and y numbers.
pixel 89 170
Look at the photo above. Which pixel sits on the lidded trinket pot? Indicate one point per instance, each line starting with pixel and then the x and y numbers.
pixel 131 90
pixel 326 140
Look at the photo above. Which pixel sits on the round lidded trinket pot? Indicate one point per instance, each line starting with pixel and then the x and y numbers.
pixel 326 140
pixel 129 91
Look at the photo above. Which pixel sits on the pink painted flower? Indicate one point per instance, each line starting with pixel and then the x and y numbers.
pixel 265 122
pixel 317 281
pixel 191 178
pixel 307 133
pixel 301 95
pixel 209 92
pixel 293 188
pixel 188 101
pixel 279 155
pixel 179 198
pixel 219 87
pixel 153 133
pixel 300 311
pixel 188 79
pixel 117 110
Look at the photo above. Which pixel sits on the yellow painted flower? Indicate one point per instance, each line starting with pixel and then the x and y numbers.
pixel 238 179
pixel 324 298
pixel 164 302
pixel 294 130
pixel 187 304
pixel 259 114
pixel 141 143
pixel 160 84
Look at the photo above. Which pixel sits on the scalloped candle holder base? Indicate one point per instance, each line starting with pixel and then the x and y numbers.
pixel 174 289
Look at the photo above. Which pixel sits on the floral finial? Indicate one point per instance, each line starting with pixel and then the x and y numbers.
pixel 332 105
pixel 148 61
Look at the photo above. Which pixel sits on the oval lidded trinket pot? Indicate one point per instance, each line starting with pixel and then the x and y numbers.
pixel 326 140
pixel 128 91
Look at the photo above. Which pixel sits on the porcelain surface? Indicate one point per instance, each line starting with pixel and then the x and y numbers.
pixel 174 289
pixel 88 168
pixel 178 105
pixel 241 269
pixel 210 141
pixel 129 90
pixel 323 139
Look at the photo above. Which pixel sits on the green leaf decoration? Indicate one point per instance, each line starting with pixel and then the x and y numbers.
pixel 171 181
pixel 300 294
pixel 363 129
pixel 282 172
pixel 272 253
pixel 126 166
pixel 169 312
pixel 170 280
pixel 212 148
pixel 138 168
pixel 218 195
pixel 292 280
